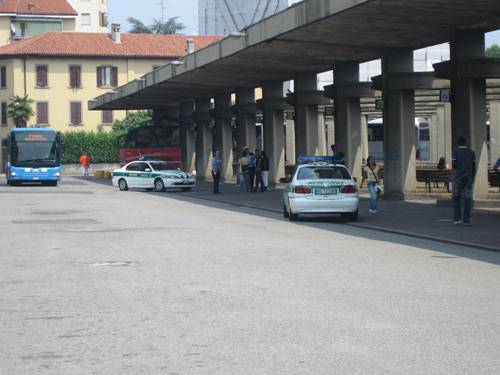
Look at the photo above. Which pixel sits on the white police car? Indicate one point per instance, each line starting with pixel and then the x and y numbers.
pixel 320 185
pixel 152 175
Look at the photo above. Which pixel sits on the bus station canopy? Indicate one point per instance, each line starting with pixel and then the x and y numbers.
pixel 307 37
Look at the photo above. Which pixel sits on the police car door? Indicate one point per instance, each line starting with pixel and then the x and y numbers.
pixel 133 174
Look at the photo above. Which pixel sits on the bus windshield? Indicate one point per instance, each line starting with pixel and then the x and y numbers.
pixel 30 149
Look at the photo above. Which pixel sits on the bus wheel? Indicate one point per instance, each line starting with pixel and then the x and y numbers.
pixel 122 185
pixel 159 185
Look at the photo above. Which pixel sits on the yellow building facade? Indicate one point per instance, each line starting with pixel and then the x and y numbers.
pixel 61 72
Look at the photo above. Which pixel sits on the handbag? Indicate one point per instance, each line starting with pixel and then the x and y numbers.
pixel 378 189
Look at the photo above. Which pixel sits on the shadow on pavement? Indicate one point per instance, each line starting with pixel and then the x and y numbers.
pixel 421 225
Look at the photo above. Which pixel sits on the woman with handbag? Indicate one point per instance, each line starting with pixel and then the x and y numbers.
pixel 370 175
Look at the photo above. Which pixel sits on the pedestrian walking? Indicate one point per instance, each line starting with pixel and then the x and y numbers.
pixel 85 164
pixel 370 175
pixel 216 170
pixel 243 163
pixel 252 164
pixel 264 171
pixel 258 172
pixel 464 172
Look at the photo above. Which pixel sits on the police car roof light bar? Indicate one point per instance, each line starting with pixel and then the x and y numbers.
pixel 320 159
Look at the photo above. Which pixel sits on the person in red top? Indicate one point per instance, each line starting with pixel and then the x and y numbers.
pixel 85 164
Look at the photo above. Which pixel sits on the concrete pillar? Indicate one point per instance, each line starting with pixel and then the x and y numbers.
pixel 434 139
pixel 204 138
pixel 274 132
pixel 290 139
pixel 494 130
pixel 224 133
pixel 322 145
pixel 399 127
pixel 306 116
pixel 469 104
pixel 348 118
pixel 330 135
pixel 245 110
pixel 188 136
pixel 364 138
pixel 444 139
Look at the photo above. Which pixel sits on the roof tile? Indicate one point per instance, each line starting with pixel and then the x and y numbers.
pixel 40 7
pixel 101 45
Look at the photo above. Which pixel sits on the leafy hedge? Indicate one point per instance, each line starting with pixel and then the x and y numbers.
pixel 102 147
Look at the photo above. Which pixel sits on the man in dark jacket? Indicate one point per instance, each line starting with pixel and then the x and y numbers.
pixel 464 168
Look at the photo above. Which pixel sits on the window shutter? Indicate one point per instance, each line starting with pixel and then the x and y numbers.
pixel 114 76
pixel 99 76
pixel 42 110
pixel 3 77
pixel 78 73
pixel 4 113
pixel 41 76
pixel 76 113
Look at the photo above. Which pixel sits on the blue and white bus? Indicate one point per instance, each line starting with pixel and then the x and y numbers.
pixel 33 155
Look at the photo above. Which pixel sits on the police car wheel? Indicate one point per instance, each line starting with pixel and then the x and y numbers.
pixel 292 216
pixel 122 185
pixel 354 216
pixel 285 212
pixel 159 185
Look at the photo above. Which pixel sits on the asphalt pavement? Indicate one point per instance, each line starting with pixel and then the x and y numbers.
pixel 97 281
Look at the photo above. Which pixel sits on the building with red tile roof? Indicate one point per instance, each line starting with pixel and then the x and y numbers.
pixel 62 71
pixel 37 7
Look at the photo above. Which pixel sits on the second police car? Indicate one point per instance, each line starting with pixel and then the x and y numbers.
pixel 320 185
pixel 152 175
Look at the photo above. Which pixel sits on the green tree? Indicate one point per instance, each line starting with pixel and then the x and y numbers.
pixel 138 27
pixel 20 110
pixel 132 120
pixel 493 51
pixel 169 26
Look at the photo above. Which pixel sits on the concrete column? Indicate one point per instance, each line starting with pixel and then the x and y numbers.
pixel 274 132
pixel 204 138
pixel 245 119
pixel 306 116
pixel 364 138
pixel 469 104
pixel 290 139
pixel 322 145
pixel 188 136
pixel 494 130
pixel 399 127
pixel 348 118
pixel 434 139
pixel 444 140
pixel 224 133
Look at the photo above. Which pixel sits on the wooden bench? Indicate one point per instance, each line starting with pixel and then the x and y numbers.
pixel 494 178
pixel 434 177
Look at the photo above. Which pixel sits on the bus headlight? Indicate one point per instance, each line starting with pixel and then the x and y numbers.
pixel 57 174
pixel 14 174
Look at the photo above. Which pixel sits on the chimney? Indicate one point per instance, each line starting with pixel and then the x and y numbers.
pixel 190 46
pixel 115 33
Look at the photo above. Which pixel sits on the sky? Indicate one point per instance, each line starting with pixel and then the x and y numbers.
pixel 146 10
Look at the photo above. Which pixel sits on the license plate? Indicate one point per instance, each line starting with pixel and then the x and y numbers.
pixel 36 178
pixel 326 191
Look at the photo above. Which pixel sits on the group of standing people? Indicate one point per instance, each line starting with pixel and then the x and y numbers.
pixel 253 171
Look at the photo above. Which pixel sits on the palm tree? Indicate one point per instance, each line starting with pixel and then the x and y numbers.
pixel 138 26
pixel 170 26
pixel 20 110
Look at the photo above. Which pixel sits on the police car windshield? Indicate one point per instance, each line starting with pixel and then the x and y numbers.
pixel 323 173
pixel 160 166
